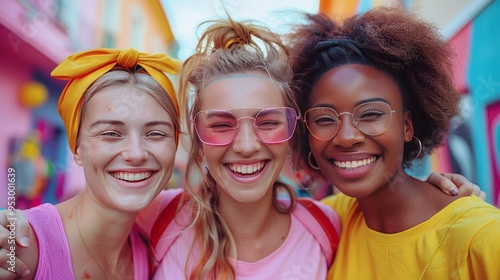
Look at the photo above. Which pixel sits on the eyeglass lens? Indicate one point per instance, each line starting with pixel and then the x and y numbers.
pixel 220 127
pixel 371 118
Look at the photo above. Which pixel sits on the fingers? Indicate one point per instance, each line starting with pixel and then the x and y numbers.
pixel 4 231
pixel 14 225
pixel 482 195
pixel 478 192
pixel 22 229
pixel 465 187
pixel 10 266
pixel 455 184
pixel 444 182
pixel 14 234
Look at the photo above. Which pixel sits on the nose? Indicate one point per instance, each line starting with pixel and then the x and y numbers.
pixel 134 151
pixel 246 140
pixel 348 134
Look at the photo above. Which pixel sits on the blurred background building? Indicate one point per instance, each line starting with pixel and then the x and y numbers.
pixel 37 34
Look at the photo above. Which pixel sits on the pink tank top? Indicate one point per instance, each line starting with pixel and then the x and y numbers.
pixel 54 256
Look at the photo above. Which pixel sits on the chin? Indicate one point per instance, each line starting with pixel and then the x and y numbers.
pixel 134 204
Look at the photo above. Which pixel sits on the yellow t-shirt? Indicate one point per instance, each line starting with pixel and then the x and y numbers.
pixel 462 241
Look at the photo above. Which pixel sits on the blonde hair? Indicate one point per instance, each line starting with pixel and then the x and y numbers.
pixel 226 47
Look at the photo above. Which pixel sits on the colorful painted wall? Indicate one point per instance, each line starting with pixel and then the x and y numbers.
pixel 473 145
pixel 483 77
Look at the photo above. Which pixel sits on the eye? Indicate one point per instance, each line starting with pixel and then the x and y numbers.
pixel 371 115
pixel 220 126
pixel 156 134
pixel 110 134
pixel 325 119
pixel 268 123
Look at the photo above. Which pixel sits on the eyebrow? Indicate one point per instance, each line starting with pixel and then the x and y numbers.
pixel 233 112
pixel 216 113
pixel 373 99
pixel 120 123
pixel 108 122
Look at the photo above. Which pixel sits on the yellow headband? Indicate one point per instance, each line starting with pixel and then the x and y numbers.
pixel 84 68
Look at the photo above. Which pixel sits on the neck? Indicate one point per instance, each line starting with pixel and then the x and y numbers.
pixel 98 237
pixel 258 228
pixel 403 203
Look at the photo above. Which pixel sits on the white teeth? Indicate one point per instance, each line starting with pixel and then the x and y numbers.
pixel 354 164
pixel 132 177
pixel 246 169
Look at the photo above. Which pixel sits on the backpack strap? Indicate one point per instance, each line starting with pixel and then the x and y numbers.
pixel 320 225
pixel 163 221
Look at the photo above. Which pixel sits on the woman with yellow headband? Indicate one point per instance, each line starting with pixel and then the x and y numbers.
pixel 122 121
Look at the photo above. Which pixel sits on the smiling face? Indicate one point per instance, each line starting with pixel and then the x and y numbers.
pixel 356 163
pixel 126 146
pixel 246 169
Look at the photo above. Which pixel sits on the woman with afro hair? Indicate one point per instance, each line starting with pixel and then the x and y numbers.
pixel 376 93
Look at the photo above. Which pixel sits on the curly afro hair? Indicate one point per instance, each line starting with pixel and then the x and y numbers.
pixel 398 42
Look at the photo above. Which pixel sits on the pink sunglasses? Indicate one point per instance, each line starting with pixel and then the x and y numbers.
pixel 220 127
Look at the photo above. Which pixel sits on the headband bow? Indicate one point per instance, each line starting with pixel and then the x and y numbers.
pixel 84 68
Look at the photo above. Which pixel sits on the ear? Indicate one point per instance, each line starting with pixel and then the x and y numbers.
pixel 78 157
pixel 408 130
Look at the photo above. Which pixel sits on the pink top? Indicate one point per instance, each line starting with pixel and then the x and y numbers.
pixel 299 257
pixel 54 256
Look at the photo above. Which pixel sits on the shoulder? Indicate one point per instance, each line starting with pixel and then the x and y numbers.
pixel 342 204
pixel 479 226
pixel 483 215
pixel 474 208
pixel 311 204
pixel 321 213
pixel 44 218
pixel 477 221
pixel 165 197
pixel 322 222
pixel 148 216
pixel 339 200
pixel 41 210
pixel 48 243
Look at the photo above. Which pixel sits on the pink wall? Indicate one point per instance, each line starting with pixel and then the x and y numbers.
pixel 33 41
pixel 14 119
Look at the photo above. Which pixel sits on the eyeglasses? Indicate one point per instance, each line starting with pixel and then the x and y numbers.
pixel 371 118
pixel 220 127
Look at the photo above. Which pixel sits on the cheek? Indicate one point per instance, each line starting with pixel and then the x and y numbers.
pixel 316 145
pixel 97 153
pixel 168 159
pixel 212 155
pixel 283 150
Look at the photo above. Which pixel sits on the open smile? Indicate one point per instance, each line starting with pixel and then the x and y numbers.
pixel 246 169
pixel 354 163
pixel 132 177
